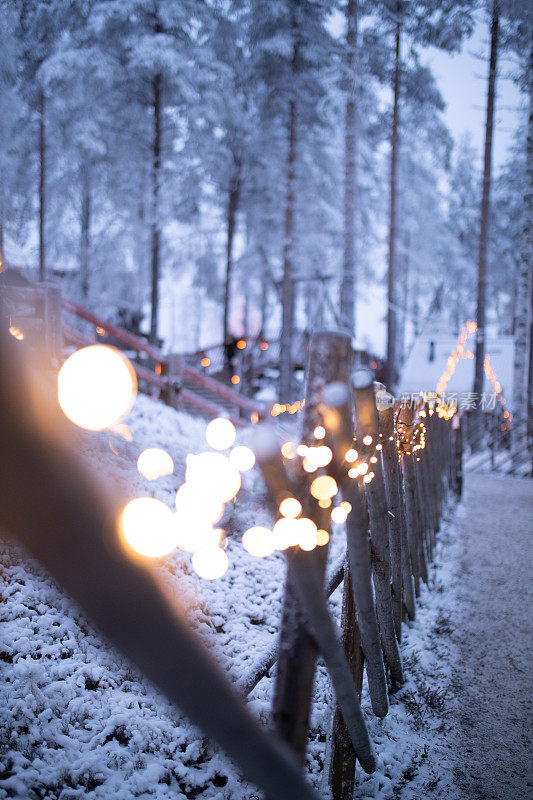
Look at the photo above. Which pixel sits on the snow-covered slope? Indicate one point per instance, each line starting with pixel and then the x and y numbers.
pixel 77 721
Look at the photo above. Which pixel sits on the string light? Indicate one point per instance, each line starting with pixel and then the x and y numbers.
pixel 210 563
pixel 290 508
pixel 205 362
pixel 288 450
pixel 96 387
pixel 148 527
pixel 242 457
pixel 351 456
pixel 324 487
pixel 259 541
pixel 220 433
pixel 155 463
pixel 214 473
pixel 319 432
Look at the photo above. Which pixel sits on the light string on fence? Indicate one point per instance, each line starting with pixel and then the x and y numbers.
pixel 97 388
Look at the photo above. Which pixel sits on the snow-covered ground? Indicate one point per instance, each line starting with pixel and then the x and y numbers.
pixel 78 721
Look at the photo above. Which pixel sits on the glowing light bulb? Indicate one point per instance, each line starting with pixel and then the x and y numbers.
pixel 220 433
pixel 339 514
pixel 367 439
pixel 325 503
pixel 368 478
pixel 210 563
pixel 285 533
pixel 362 469
pixel 302 450
pixel 193 501
pixel 194 532
pixel 353 472
pixel 351 456
pixel 307 533
pixel 379 447
pixel 214 474
pixel 96 387
pixel 290 508
pixel 205 362
pixel 324 487
pixel 148 527
pixel 155 463
pixel 288 450
pixel 259 541
pixel 241 344
pixel 319 432
pixel 242 457
pixel 235 380
pixel 373 460
pixel 347 506
pixel 322 537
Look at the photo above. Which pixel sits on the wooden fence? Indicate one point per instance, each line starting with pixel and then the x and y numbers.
pixel 408 466
pixel 396 465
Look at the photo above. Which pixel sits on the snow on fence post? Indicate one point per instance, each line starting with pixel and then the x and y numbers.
pixel 330 358
pixel 337 413
pixel 367 428
pixel 405 425
pixel 400 566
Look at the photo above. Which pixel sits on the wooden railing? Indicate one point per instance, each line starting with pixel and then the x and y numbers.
pixel 169 373
pixel 409 466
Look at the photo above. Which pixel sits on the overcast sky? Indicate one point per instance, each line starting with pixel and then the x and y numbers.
pixel 462 79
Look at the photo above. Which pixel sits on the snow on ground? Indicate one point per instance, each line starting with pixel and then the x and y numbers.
pixel 77 721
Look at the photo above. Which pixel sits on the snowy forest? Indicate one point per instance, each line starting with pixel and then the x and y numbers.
pixel 244 168
pixel 266 408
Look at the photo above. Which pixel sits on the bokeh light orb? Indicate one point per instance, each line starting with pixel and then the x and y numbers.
pixel 96 387
pixel 258 541
pixel 220 433
pixel 155 463
pixel 210 563
pixel 214 474
pixel 148 527
pixel 242 457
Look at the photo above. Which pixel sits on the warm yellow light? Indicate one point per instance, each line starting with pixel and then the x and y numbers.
pixel 319 432
pixel 324 487
pixel 16 333
pixel 220 433
pixel 155 463
pixel 258 541
pixel 148 527
pixel 210 563
pixel 285 533
pixel 198 504
pixel 96 387
pixel 235 379
pixel 288 450
pixel 241 344
pixel 242 457
pixel 307 533
pixel 302 450
pixel 290 508
pixel 367 439
pixel 373 459
pixel 322 538
pixel 379 447
pixel 368 478
pixel 324 503
pixel 339 514
pixel 215 474
pixel 194 532
pixel 309 465
pixel 205 362
pixel 347 506
pixel 351 455
pixel 362 469
pixel 353 472
pixel 264 345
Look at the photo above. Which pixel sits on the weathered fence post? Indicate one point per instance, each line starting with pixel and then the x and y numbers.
pixel 330 357
pixel 400 562
pixel 367 429
pixel 405 425
pixel 172 368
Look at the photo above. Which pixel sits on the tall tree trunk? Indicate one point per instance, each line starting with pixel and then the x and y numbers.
pixel 155 221
pixel 523 300
pixel 392 323
pixel 85 226
pixel 42 186
pixel 347 298
pixel 286 377
pixel 231 218
pixel 477 428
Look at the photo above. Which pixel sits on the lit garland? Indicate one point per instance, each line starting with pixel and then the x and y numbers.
pixel 459 352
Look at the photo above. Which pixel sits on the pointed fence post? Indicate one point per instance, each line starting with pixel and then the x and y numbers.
pixel 367 429
pixel 330 358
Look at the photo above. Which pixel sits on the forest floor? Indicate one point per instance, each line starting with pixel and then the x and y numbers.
pixel 77 721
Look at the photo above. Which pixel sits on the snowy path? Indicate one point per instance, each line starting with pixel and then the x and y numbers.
pixel 489 748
